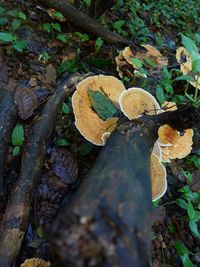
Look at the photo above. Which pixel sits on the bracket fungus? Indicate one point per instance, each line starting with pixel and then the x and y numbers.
pixel 151 58
pixel 87 121
pixel 135 101
pixel 158 178
pixel 185 60
pixel 35 262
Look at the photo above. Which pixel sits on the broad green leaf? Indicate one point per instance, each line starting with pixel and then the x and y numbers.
pixel 98 44
pixel 12 13
pixel 160 94
pixel 167 73
pixel 65 108
pixel 7 37
pixel 21 15
pixel 150 62
pixel 3 21
pixel 188 176
pixel 68 65
pixel 87 2
pixel 190 210
pixel 102 105
pixel 62 37
pixel 189 44
pixel 185 78
pixel 62 142
pixel 56 26
pixel 137 62
pixel 197 37
pixel 16 151
pixel 2 10
pixel 20 45
pixel 15 24
pixel 196 65
pixel 18 135
pixel 83 37
pixel 59 15
pixel 182 203
pixel 118 24
pixel 194 228
pixel 47 27
pixel 184 253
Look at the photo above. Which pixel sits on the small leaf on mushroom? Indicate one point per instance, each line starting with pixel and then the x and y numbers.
pixel 102 104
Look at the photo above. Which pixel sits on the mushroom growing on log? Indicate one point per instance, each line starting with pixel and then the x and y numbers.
pixel 108 221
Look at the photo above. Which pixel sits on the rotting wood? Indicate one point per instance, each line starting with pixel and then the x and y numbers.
pixel 15 219
pixel 108 221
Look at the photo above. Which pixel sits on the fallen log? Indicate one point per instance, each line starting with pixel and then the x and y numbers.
pixel 8 118
pixel 85 22
pixel 15 219
pixel 108 221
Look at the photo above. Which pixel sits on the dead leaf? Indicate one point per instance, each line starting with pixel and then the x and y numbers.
pixel 49 77
pixel 26 101
pixel 195 185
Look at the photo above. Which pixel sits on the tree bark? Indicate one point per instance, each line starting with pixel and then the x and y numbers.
pixel 108 221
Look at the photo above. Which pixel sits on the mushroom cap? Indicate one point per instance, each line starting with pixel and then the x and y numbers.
pixel 158 178
pixel 167 135
pixel 87 121
pixel 135 101
pixel 169 106
pixel 120 61
pixel 35 262
pixel 178 145
pixel 128 55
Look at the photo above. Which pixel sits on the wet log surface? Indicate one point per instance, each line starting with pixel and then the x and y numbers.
pixel 15 219
pixel 108 221
pixel 8 118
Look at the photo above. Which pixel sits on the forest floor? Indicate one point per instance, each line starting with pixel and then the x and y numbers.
pixel 39 49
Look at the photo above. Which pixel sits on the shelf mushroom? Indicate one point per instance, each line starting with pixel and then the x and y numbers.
pixel 135 101
pixel 35 262
pixel 158 178
pixel 87 121
pixel 174 145
pixel 184 58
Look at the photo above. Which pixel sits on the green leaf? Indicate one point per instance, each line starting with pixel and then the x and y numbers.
pixel 160 94
pixel 98 44
pixel 47 27
pixel 156 203
pixel 194 228
pixel 183 252
pixel 59 15
pixel 7 37
pixel 87 2
pixel 21 15
pixel 188 176
pixel 17 136
pixel 69 65
pixel 3 21
pixel 182 203
pixel 196 65
pixel 62 37
pixel 20 45
pixel 12 13
pixel 189 44
pixel 137 62
pixel 56 26
pixel 83 37
pixel 65 108
pixel 185 78
pixel 118 24
pixel 2 10
pixel 190 210
pixel 15 24
pixel 150 62
pixel 102 105
pixel 16 151
pixel 62 142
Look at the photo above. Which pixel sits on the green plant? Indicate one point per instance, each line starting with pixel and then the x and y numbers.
pixel 184 254
pixel 55 27
pixel 98 44
pixel 44 57
pixel 190 201
pixel 10 21
pixel 17 139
